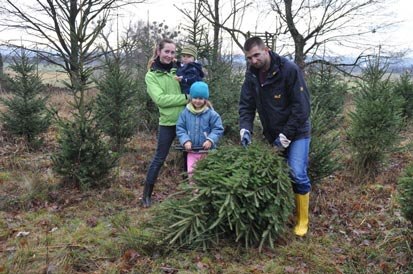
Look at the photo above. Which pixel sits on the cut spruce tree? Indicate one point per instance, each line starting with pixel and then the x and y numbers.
pixel 237 194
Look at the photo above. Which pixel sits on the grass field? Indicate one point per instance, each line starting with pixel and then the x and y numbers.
pixel 48 227
pixel 50 75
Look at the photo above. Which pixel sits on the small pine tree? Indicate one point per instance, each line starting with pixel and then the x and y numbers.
pixel 405 189
pixel 116 104
pixel 324 142
pixel 328 90
pixel 147 110
pixel 225 84
pixel 27 113
pixel 83 158
pixel 375 123
pixel 327 99
pixel 196 30
pixel 404 87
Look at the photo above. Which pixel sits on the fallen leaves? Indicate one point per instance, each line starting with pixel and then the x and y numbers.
pixel 92 221
pixel 357 225
pixel 129 259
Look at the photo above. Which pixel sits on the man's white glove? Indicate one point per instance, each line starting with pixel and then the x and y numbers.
pixel 284 141
pixel 245 137
pixel 281 141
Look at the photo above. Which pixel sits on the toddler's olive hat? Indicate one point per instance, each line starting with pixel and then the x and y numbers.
pixel 190 50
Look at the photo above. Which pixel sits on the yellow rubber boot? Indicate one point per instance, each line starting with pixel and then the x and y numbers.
pixel 301 203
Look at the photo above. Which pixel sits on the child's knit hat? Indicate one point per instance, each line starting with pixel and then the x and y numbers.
pixel 199 90
pixel 190 50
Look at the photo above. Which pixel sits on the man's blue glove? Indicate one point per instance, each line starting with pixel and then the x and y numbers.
pixel 245 137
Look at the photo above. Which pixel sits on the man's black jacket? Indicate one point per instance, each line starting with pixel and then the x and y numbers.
pixel 282 101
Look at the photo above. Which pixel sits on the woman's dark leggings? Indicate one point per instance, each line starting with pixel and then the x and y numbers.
pixel 166 135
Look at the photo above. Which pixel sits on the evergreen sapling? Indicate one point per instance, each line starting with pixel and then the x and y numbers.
pixel 404 88
pixel 27 113
pixel 376 122
pixel 116 104
pixel 84 158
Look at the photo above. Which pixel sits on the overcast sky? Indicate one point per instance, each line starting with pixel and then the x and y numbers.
pixel 401 35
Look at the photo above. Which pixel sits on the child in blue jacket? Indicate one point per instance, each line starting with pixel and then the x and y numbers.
pixel 189 71
pixel 199 126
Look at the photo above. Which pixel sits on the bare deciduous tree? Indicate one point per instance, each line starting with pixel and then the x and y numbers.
pixel 230 23
pixel 307 29
pixel 140 38
pixel 315 24
pixel 66 31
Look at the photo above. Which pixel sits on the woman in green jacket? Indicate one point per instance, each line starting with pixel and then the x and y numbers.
pixel 165 92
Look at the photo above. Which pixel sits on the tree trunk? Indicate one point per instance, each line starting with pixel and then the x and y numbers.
pixel 1 66
pixel 299 41
pixel 217 28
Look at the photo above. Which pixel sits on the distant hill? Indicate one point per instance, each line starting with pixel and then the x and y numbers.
pixel 396 65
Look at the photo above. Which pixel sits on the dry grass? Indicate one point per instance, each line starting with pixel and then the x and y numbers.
pixel 45 226
pixel 50 75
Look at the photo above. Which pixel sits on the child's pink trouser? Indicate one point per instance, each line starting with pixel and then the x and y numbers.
pixel 191 160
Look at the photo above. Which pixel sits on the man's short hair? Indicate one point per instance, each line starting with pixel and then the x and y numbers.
pixel 252 42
